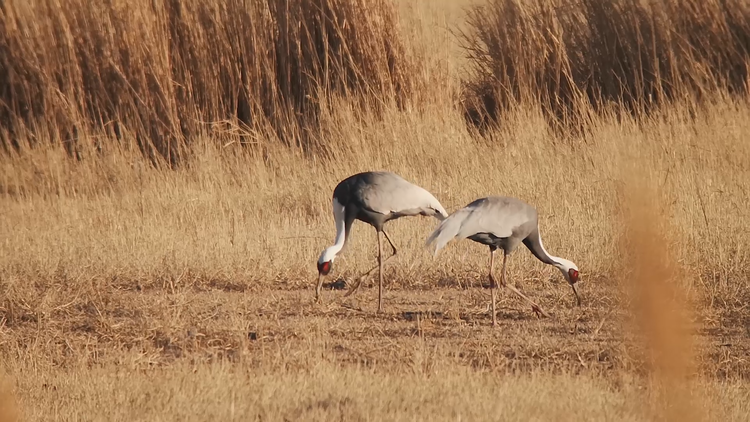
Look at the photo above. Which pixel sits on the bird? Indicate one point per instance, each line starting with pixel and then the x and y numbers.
pixel 374 197
pixel 501 222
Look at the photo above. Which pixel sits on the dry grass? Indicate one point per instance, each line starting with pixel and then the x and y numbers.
pixel 575 56
pixel 165 72
pixel 326 392
pixel 132 292
pixel 653 281
pixel 8 406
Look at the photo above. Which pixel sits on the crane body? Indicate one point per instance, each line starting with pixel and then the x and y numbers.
pixel 501 222
pixel 374 197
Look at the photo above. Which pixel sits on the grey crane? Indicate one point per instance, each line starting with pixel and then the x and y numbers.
pixel 501 223
pixel 374 197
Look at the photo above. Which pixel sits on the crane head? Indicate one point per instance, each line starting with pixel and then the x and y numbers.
pixel 324 267
pixel 573 275
pixel 570 272
pixel 325 262
pixel 573 279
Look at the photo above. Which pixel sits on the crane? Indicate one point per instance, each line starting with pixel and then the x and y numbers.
pixel 501 222
pixel 374 197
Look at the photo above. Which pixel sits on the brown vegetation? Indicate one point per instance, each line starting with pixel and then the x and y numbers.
pixel 128 291
pixel 573 57
pixel 654 283
pixel 166 72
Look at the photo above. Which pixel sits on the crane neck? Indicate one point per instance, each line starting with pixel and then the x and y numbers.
pixel 534 243
pixel 339 216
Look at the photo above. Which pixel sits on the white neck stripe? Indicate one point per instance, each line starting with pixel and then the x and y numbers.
pixel 339 216
pixel 555 259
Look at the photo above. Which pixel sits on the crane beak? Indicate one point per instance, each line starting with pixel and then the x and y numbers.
pixel 317 288
pixel 575 292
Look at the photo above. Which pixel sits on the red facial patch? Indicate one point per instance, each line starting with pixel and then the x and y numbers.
pixel 573 275
pixel 324 268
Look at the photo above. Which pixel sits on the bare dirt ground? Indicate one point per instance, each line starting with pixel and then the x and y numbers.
pixel 246 345
pixel 424 327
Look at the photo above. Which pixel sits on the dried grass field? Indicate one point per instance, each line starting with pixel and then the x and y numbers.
pixel 166 174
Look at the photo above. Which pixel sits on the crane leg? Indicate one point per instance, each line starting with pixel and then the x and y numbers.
pixel 534 307
pixel 388 238
pixel 380 274
pixel 493 288
pixel 357 283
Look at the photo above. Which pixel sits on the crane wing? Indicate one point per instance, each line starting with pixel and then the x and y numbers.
pixel 499 216
pixel 389 193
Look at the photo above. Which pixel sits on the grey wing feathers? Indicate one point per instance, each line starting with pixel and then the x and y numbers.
pixel 499 216
pixel 389 193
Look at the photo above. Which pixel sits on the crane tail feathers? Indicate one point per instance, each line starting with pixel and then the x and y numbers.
pixel 447 230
